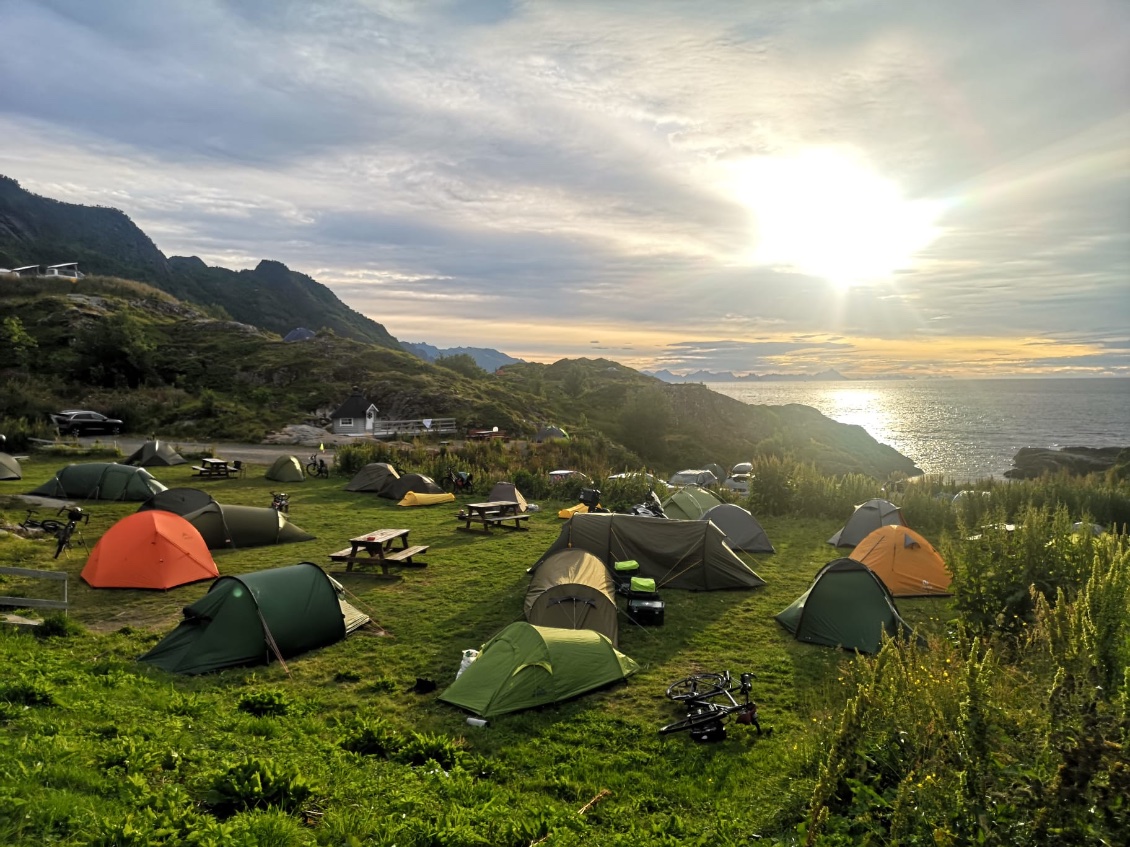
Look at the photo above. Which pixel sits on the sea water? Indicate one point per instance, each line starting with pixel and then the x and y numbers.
pixel 964 429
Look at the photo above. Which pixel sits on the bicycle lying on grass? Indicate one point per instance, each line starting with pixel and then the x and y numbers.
pixel 63 531
pixel 705 719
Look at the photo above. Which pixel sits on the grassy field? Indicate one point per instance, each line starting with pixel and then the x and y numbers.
pixel 100 749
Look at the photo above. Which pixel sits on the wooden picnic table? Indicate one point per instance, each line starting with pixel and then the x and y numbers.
pixel 492 513
pixel 380 547
pixel 213 468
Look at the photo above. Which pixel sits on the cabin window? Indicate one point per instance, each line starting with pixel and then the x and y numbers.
pixel 345 421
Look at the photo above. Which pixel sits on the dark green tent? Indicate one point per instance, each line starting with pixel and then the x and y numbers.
pixel 224 525
pixel 286 469
pixel 416 482
pixel 526 666
pixel 847 606
pixel 179 501
pixel 9 467
pixel 676 554
pixel 254 618
pixel 375 477
pixel 100 481
pixel 155 454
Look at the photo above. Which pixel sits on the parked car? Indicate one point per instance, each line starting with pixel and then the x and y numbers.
pixel 693 476
pixel 83 422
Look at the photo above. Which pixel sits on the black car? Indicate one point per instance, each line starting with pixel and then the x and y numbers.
pixel 76 422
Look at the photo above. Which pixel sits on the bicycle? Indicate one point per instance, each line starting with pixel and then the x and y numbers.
pixel 280 502
pixel 461 482
pixel 75 516
pixel 317 467
pixel 705 718
pixel 49 525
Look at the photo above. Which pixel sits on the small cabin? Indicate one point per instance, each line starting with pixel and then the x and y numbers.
pixel 355 416
pixel 27 270
pixel 66 269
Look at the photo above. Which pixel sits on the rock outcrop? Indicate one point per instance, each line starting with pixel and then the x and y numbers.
pixel 1033 462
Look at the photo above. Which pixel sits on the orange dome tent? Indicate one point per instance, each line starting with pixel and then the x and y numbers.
pixel 151 549
pixel 904 561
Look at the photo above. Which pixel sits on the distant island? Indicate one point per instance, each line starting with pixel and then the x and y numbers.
pixel 830 375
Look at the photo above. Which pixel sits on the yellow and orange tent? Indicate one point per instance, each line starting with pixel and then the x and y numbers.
pixel 905 561
pixel 151 549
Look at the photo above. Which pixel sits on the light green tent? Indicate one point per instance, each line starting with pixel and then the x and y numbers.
pixel 224 525
pixel 690 503
pixel 376 477
pixel 100 481
pixel 155 454
pixel 526 666
pixel 573 589
pixel 676 554
pixel 847 606
pixel 9 467
pixel 286 469
pixel 254 618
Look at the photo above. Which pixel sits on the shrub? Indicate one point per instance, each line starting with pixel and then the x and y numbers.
pixel 255 784
pixel 373 738
pixel 264 703
pixel 24 693
pixel 59 626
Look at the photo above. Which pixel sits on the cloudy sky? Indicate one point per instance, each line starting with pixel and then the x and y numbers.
pixel 763 186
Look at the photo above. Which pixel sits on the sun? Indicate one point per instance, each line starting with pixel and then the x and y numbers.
pixel 824 212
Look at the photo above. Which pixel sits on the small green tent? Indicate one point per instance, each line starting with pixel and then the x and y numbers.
pixel 252 619
pixel 9 467
pixel 155 454
pixel 375 477
pixel 573 589
pixel 846 606
pixel 526 666
pixel 286 469
pixel 100 481
pixel 690 503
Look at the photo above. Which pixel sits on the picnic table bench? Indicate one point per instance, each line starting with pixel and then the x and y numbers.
pixel 213 468
pixel 379 548
pixel 503 513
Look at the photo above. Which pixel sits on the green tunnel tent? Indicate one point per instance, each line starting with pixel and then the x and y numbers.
pixel 376 478
pixel 223 525
pixel 573 589
pixel 743 532
pixel 254 618
pixel 692 555
pixel 155 454
pixel 690 503
pixel 286 469
pixel 846 606
pixel 100 481
pixel 179 501
pixel 527 666
pixel 10 467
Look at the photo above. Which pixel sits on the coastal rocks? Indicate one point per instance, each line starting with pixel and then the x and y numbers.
pixel 1033 462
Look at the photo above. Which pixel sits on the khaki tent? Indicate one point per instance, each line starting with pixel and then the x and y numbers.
pixel 906 562
pixel 847 606
pixel 415 482
pixel 256 617
pixel 743 532
pixel 573 589
pixel 151 549
pixel 9 467
pixel 676 554
pixel 375 477
pixel 526 666
pixel 690 503
pixel 100 481
pixel 286 469
pixel 155 454
pixel 508 491
pixel 867 518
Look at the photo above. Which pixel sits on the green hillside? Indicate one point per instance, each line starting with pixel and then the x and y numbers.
pixel 162 365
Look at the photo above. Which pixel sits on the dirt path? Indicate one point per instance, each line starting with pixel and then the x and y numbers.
pixel 256 454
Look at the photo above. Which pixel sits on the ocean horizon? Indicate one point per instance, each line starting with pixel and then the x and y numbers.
pixel 964 429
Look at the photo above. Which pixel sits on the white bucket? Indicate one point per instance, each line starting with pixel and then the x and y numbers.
pixel 476 722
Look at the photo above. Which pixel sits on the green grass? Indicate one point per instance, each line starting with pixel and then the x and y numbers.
pixel 100 749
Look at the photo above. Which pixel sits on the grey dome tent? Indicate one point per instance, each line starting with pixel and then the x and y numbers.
pixel 155 454
pixel 10 467
pixel 254 618
pixel 573 589
pixel 508 491
pixel 415 482
pixel 527 666
pixel 375 477
pixel 100 481
pixel 676 554
pixel 867 518
pixel 549 433
pixel 743 532
pixel 286 469
pixel 846 606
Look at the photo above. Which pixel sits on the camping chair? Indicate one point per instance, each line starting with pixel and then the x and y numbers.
pixel 238 467
pixel 644 605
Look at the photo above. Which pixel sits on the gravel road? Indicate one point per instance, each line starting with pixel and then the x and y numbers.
pixel 256 454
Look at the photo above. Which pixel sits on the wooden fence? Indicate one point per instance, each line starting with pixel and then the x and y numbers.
pixel 33 602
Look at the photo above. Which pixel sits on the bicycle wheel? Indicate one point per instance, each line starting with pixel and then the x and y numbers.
pixel 707 719
pixel 51 526
pixel 697 687
pixel 312 469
